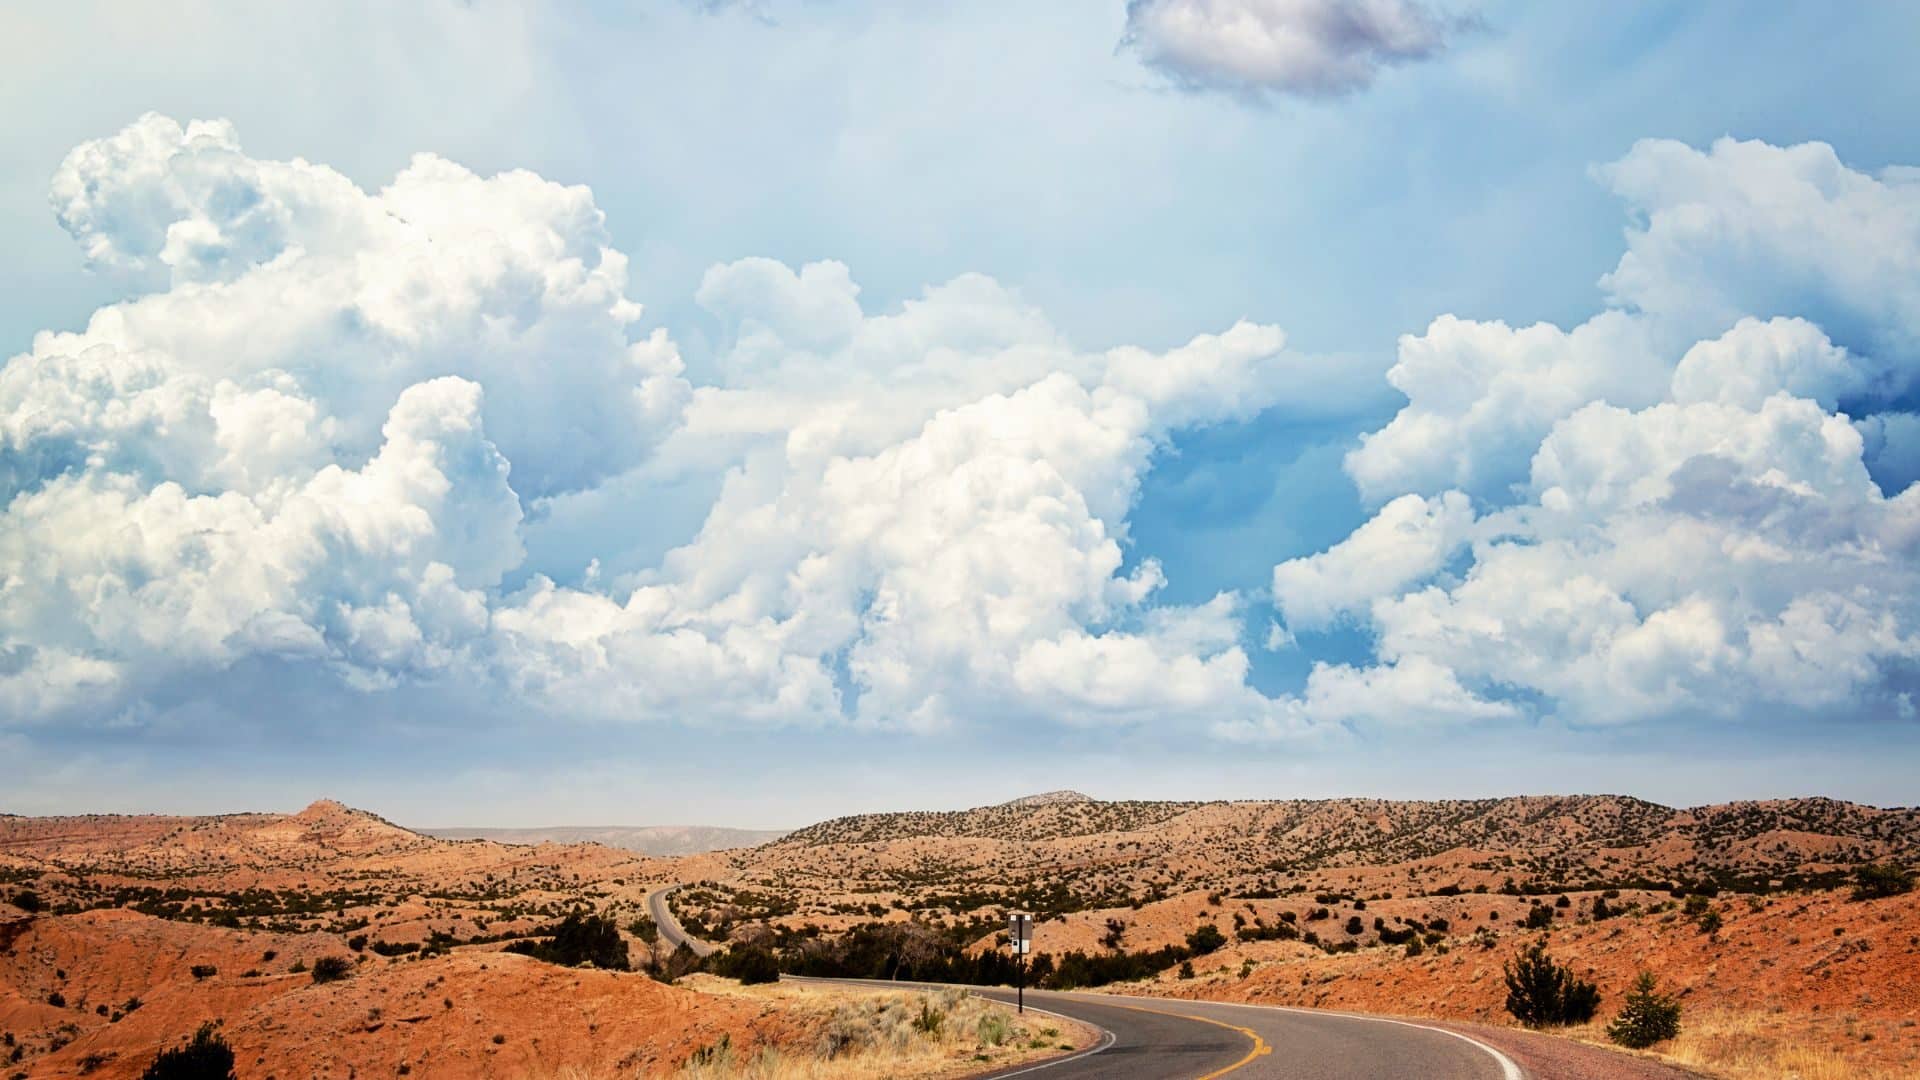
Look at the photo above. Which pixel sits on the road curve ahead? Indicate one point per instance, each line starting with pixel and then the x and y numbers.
pixel 671 931
pixel 1168 1039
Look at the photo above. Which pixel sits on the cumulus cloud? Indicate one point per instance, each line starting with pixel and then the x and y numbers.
pixel 1750 269
pixel 1408 541
pixel 313 429
pixel 279 294
pixel 1689 504
pixel 1309 48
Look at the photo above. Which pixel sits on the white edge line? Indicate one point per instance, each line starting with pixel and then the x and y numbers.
pixel 1508 1069
pixel 1107 1038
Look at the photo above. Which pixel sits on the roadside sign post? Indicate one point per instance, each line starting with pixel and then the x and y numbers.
pixel 1020 936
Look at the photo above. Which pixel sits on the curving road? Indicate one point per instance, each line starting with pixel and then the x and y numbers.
pixel 1164 1039
pixel 671 931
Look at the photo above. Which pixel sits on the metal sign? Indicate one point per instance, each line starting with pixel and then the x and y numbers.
pixel 1020 932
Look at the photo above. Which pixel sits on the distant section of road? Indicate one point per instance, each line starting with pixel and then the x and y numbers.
pixel 1166 1039
pixel 671 931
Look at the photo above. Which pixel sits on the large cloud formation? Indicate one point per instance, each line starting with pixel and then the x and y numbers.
pixel 318 424
pixel 1254 48
pixel 1697 502
pixel 323 423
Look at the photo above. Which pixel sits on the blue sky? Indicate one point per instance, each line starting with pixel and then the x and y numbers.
pixel 893 406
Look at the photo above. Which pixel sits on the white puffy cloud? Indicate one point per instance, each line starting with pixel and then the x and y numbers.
pixel 1701 558
pixel 1755 360
pixel 1408 541
pixel 310 431
pixel 1682 520
pixel 1747 228
pixel 1313 48
pixel 970 566
pixel 1481 395
pixel 289 296
pixel 110 585
pixel 1750 269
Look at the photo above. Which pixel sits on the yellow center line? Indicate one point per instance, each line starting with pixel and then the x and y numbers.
pixel 1260 1047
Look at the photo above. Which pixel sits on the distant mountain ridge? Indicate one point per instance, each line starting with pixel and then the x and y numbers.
pixel 1050 798
pixel 1119 848
pixel 661 840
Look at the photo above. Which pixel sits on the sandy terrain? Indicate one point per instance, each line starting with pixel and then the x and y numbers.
pixel 139 928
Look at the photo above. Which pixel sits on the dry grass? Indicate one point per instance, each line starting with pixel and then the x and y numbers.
pixel 866 1035
pixel 1738 1044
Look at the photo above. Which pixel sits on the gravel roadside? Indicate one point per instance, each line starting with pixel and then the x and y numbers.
pixel 1551 1057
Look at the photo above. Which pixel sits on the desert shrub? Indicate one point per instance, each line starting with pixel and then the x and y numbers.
pixel 1205 939
pixel 1186 969
pixel 750 964
pixel 1562 901
pixel 203 971
pixel 1695 906
pixel 993 1029
pixel 28 901
pixel 1115 935
pixel 57 999
pixel 204 1057
pixel 579 939
pixel 1542 993
pixel 1355 926
pixel 1647 1017
pixel 1415 948
pixel 644 928
pixel 1601 910
pixel 1539 917
pixel 1710 923
pixel 331 968
pixel 358 943
pixel 930 1020
pixel 1879 880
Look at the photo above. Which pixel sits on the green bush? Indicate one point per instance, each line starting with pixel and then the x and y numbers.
pixel 1541 993
pixel 580 939
pixel 205 1057
pixel 1205 939
pixel 1539 917
pixel 750 964
pixel 1186 969
pixel 331 968
pixel 1648 1016
pixel 1876 881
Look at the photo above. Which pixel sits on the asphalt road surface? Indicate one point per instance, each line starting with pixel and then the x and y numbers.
pixel 1163 1039
pixel 671 931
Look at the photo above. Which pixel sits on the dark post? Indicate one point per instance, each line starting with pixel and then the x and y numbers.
pixel 1020 980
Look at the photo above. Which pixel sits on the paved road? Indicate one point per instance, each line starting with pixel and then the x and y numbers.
pixel 670 929
pixel 1163 1039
